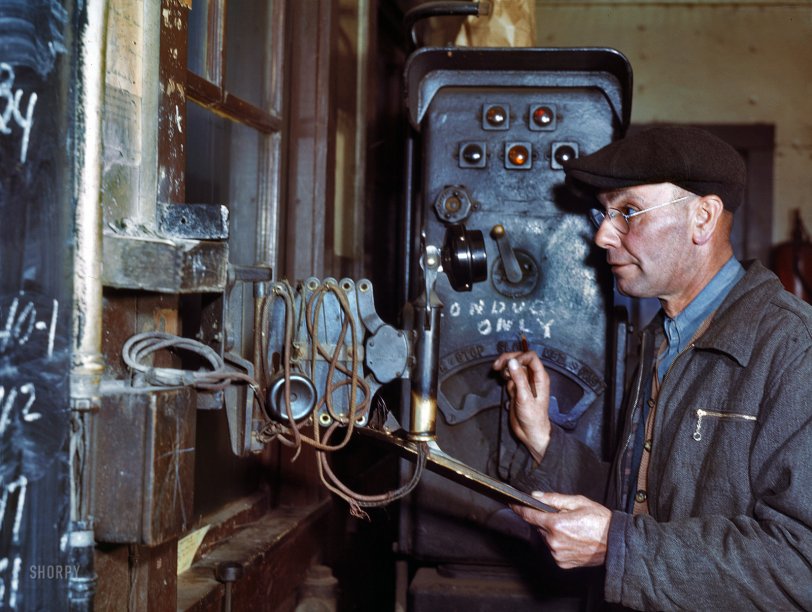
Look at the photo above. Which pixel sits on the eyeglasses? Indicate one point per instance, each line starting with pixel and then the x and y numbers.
pixel 620 220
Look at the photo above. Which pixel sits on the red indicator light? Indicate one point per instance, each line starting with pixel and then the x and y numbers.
pixel 542 116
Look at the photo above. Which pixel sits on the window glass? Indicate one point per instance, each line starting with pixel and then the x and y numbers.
pixel 198 38
pixel 347 211
pixel 248 43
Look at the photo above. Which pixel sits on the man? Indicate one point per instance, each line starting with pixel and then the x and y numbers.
pixel 708 504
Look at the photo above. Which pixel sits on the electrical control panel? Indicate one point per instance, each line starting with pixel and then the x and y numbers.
pixel 494 130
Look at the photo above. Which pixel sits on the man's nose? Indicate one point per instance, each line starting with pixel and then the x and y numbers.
pixel 606 236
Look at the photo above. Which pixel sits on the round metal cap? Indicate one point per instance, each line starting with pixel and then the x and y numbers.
pixel 303 398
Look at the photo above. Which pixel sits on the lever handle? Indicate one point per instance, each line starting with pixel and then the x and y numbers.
pixel 513 271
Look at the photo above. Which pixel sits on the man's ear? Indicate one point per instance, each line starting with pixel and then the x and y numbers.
pixel 707 217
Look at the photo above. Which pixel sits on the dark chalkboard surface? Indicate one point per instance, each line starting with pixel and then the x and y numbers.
pixel 36 213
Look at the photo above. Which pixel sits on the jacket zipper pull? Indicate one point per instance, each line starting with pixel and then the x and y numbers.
pixel 699 414
pixel 722 415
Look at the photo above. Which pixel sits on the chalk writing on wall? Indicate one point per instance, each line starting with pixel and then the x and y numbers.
pixel 32 366
pixel 37 102
pixel 13 111
pixel 32 33
pixel 22 322
pixel 498 316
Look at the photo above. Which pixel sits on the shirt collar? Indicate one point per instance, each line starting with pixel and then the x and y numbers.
pixel 681 329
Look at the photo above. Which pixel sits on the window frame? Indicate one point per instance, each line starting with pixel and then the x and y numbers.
pixel 210 92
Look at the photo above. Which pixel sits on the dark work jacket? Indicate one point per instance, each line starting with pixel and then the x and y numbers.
pixel 730 472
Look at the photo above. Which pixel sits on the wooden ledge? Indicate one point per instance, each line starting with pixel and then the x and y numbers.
pixel 275 552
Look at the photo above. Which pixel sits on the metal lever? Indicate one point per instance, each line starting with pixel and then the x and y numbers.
pixel 423 409
pixel 513 271
pixel 447 466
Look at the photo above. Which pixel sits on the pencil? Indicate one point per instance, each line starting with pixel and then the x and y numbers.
pixel 525 349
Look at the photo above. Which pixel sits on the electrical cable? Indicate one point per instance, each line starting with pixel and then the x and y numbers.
pixel 356 411
pixel 140 347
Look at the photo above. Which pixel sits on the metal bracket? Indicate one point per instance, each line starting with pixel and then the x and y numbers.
pixel 240 412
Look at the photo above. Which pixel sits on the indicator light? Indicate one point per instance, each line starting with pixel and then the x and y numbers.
pixel 543 116
pixel 563 152
pixel 472 155
pixel 496 117
pixel 517 155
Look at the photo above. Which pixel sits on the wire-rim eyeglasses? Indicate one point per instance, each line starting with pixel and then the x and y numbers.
pixel 614 215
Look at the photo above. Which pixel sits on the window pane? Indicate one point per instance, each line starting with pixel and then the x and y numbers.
pixel 198 38
pixel 222 168
pixel 348 212
pixel 248 43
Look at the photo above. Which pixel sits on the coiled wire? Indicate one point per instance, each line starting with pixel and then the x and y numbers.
pixel 290 434
pixel 140 347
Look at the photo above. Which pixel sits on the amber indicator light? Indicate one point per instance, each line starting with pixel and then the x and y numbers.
pixel 518 155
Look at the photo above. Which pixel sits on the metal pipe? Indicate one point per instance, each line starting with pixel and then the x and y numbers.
pixel 361 109
pixel 87 363
pixel 407 220
pixel 440 8
pixel 82 584
pixel 270 190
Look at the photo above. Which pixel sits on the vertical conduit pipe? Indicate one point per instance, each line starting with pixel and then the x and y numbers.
pixel 86 359
pixel 361 109
pixel 87 363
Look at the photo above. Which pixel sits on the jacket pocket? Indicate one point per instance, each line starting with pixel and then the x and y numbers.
pixel 701 413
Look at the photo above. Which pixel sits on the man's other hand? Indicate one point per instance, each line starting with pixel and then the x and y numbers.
pixel 576 534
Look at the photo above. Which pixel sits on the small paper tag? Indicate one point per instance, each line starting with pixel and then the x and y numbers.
pixel 188 546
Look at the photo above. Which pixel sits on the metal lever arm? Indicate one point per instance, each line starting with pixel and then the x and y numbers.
pixel 449 467
pixel 513 271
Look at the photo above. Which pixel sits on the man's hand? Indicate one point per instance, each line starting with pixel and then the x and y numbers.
pixel 529 402
pixel 576 534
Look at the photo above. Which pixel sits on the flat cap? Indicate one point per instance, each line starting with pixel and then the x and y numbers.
pixel 688 157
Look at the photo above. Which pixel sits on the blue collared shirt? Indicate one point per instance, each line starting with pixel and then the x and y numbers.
pixel 681 329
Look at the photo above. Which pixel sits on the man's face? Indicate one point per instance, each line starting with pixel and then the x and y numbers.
pixel 652 258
